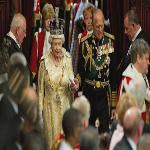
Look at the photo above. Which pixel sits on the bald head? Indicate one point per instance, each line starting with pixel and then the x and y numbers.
pixel 132 121
pixel 98 23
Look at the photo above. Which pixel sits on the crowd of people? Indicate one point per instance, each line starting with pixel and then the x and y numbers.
pixel 66 98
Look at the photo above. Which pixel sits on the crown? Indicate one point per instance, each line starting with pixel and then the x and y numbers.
pixel 57 24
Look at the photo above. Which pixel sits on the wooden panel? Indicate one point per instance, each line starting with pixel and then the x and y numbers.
pixel 143 9
pixel 4 18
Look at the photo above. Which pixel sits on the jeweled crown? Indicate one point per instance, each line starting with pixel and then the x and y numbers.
pixel 57 25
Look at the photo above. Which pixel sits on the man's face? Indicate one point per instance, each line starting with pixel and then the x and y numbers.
pixel 143 63
pixel 98 26
pixel 88 21
pixel 129 28
pixel 56 45
pixel 21 33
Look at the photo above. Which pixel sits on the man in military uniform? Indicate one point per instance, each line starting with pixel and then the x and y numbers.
pixel 95 71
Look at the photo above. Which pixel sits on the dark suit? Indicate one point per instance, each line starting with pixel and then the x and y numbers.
pixel 123 144
pixel 9 125
pixel 126 58
pixel 8 47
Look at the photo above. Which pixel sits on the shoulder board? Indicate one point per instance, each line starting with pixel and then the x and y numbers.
pixel 85 37
pixel 109 35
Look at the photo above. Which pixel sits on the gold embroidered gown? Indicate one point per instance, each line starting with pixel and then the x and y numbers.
pixel 54 93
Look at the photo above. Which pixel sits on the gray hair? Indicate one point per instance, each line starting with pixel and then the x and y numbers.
pixel 81 103
pixel 132 16
pixel 17 21
pixel 89 139
pixel 61 36
pixel 97 12
pixel 139 47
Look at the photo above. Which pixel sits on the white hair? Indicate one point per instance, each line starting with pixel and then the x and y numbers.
pixel 61 36
pixel 17 21
pixel 82 104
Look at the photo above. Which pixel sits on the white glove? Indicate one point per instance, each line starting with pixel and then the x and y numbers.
pixel 41 122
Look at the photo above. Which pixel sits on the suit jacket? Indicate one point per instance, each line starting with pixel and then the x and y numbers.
pixel 8 47
pixel 126 58
pixel 9 125
pixel 123 144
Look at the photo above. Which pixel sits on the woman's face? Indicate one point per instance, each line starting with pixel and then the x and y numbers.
pixel 56 46
pixel 47 24
pixel 88 21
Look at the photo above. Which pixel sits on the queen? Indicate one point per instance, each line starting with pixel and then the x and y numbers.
pixel 55 84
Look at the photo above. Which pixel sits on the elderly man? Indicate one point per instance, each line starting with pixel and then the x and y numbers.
pixel 133 126
pixel 95 71
pixel 11 43
pixel 133 30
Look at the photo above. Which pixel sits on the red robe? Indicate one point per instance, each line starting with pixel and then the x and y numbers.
pixel 37 51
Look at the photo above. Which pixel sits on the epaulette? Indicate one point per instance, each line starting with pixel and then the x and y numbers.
pixel 85 37
pixel 109 35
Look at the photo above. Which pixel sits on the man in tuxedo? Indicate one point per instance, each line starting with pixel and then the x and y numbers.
pixel 133 126
pixel 133 30
pixel 11 43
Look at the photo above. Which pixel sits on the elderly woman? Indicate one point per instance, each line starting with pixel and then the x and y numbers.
pixel 40 42
pixel 55 85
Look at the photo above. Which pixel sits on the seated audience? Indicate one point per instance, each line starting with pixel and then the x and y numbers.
pixel 89 139
pixel 126 101
pixel 72 128
pixel 82 104
pixel 11 102
pixel 104 141
pixel 133 126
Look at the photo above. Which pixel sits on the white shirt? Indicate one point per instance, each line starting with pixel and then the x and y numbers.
pixel 132 144
pixel 47 45
pixel 136 34
pixel 133 39
pixel 65 146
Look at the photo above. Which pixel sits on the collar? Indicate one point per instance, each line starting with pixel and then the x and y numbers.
pixel 10 34
pixel 65 146
pixel 133 39
pixel 132 72
pixel 132 144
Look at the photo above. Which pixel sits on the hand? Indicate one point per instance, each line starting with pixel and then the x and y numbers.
pixel 74 85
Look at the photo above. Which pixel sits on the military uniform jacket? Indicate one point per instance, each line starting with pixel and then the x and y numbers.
pixel 96 60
